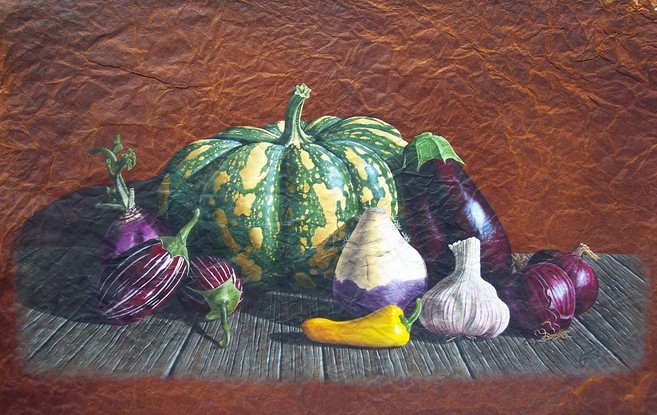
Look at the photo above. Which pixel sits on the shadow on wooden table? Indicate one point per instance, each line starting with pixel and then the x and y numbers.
pixel 58 266
pixel 57 254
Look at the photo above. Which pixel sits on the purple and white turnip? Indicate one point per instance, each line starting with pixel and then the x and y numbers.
pixel 377 267
pixel 134 225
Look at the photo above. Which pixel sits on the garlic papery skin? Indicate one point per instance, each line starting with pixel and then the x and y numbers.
pixel 464 304
pixel 378 267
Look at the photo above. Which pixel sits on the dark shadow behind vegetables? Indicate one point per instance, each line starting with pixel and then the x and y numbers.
pixel 57 252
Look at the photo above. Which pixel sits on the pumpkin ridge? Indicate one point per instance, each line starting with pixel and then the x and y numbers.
pixel 318 200
pixel 370 175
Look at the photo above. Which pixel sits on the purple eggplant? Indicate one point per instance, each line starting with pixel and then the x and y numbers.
pixel 214 290
pixel 142 278
pixel 442 205
pixel 134 225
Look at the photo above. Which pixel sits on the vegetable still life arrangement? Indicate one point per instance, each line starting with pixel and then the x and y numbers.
pixel 344 208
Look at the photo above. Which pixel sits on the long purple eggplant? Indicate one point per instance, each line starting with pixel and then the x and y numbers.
pixel 441 205
pixel 142 278
pixel 134 225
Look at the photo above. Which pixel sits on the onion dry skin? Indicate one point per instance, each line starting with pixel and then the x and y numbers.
pixel 541 299
pixel 580 272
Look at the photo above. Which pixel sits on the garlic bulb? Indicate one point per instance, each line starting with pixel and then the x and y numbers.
pixel 464 304
pixel 377 267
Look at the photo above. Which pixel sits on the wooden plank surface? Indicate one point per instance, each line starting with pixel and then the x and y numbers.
pixel 59 332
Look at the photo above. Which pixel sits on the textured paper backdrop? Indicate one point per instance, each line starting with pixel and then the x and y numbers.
pixel 552 105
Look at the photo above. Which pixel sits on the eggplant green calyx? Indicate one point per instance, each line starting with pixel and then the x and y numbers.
pixel 426 147
pixel 119 197
pixel 222 300
pixel 177 245
pixel 408 321
pixel 293 133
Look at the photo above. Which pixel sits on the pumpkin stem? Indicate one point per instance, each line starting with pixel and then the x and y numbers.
pixel 293 133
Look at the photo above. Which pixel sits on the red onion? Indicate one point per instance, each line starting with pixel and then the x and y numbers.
pixel 541 299
pixel 214 289
pixel 581 273
pixel 134 225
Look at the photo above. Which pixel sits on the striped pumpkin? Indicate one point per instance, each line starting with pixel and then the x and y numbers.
pixel 276 201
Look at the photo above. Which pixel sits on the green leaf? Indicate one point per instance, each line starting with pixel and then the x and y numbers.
pixel 117 144
pixel 426 147
pixel 129 159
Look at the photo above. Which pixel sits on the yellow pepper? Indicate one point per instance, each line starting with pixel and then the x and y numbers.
pixel 385 327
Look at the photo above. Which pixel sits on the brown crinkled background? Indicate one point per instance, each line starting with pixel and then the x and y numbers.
pixel 552 105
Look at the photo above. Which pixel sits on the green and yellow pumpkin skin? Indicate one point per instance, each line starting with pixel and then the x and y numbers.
pixel 277 200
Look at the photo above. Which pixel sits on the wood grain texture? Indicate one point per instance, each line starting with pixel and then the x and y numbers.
pixel 268 344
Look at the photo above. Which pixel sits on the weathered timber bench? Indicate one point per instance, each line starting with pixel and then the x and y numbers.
pixel 59 332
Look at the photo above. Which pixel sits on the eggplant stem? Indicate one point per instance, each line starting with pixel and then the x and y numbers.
pixel 226 327
pixel 177 245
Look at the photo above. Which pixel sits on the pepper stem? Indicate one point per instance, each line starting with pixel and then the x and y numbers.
pixel 408 321
pixel 293 133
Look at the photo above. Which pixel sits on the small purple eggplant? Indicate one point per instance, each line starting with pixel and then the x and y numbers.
pixel 142 278
pixel 135 225
pixel 213 289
